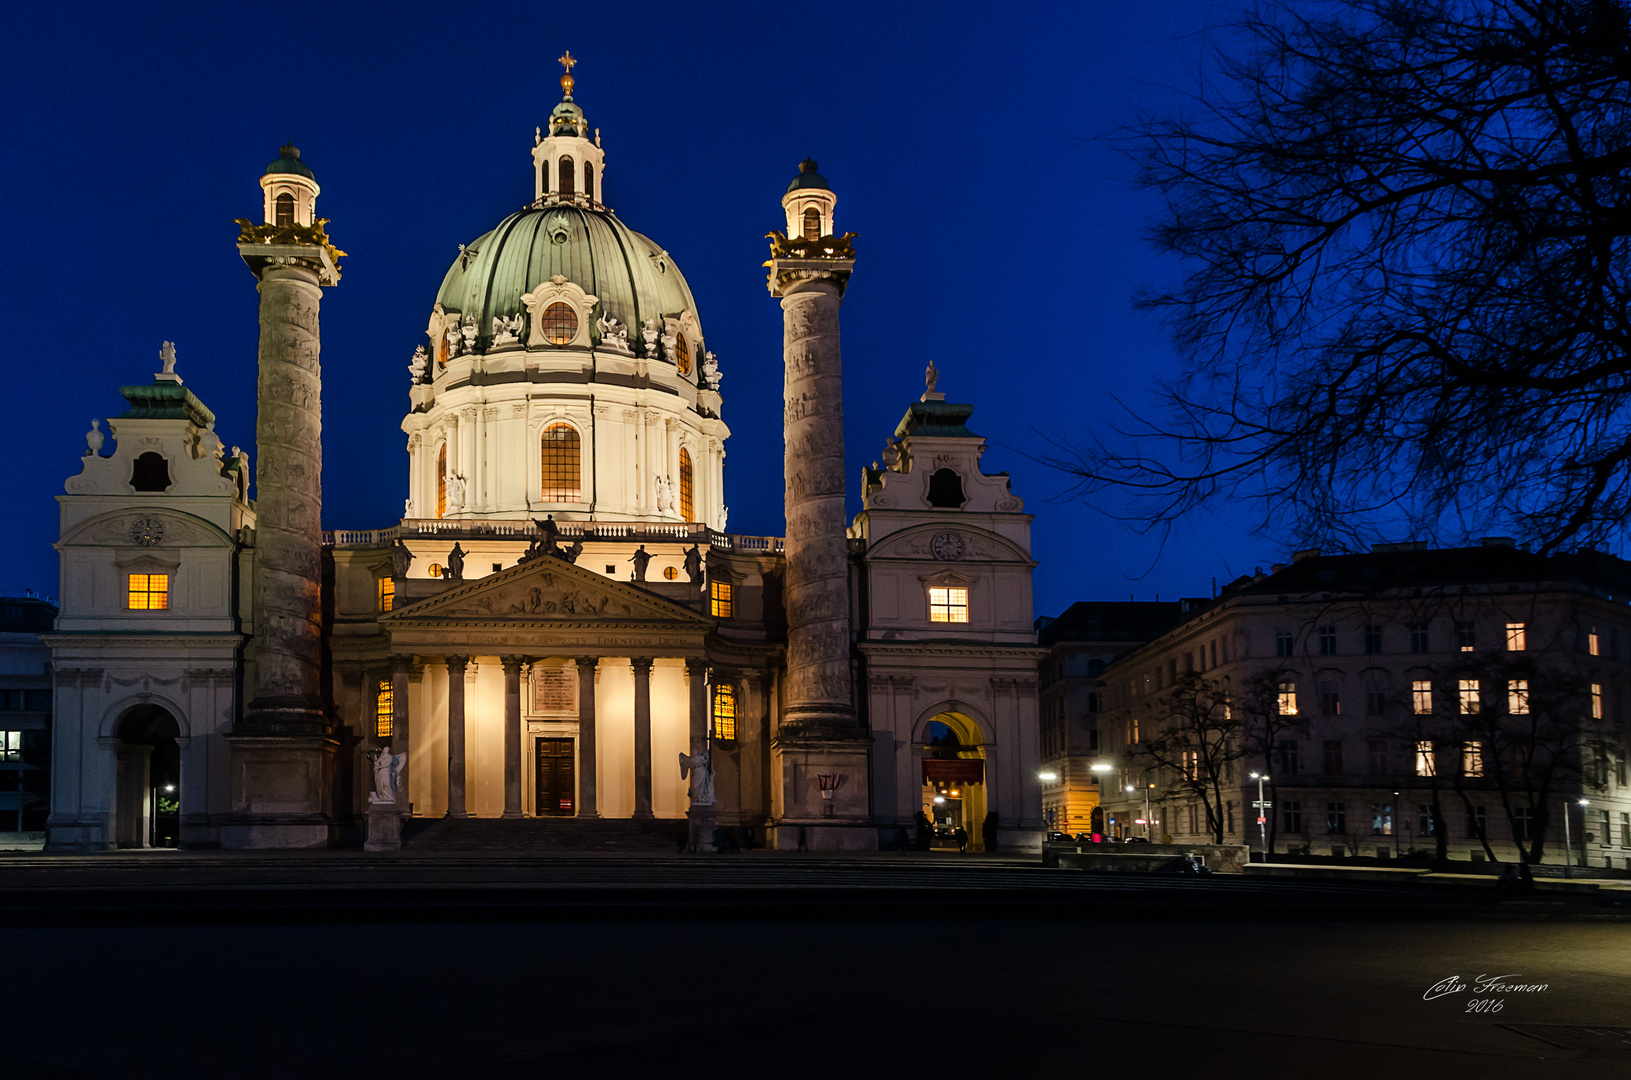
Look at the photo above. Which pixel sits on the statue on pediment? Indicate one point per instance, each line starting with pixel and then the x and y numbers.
pixel 641 559
pixel 455 563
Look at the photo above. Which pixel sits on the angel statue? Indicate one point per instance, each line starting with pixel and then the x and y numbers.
pixel 455 492
pixel 387 769
pixel 167 357
pixel 701 773
pixel 417 364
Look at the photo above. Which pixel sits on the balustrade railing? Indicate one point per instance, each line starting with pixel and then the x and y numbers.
pixel 623 531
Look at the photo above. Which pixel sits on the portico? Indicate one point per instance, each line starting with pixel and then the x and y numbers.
pixel 548 690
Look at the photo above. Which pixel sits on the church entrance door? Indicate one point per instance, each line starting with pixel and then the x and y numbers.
pixel 555 778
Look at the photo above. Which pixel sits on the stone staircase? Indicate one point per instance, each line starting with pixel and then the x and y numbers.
pixel 522 836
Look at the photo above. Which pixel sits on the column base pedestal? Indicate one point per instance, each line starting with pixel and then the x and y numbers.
pixel 824 834
pixel 821 799
pixel 701 836
pixel 281 791
pixel 384 826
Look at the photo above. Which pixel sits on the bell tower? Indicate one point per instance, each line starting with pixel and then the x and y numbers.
pixel 567 165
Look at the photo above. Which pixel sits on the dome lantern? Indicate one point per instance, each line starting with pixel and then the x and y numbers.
pixel 567 167
pixel 290 189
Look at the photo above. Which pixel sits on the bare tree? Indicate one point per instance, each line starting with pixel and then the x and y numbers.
pixel 1264 723
pixel 1404 227
pixel 1192 732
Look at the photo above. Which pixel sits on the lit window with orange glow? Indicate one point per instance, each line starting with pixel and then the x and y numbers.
pixel 1468 691
pixel 1472 759
pixel 688 487
pixel 1517 697
pixel 1421 697
pixel 722 603
pixel 148 592
pixel 385 710
pixel 1596 701
pixel 948 605
pixel 387 593
pixel 1424 758
pixel 1287 698
pixel 724 712
pixel 1516 637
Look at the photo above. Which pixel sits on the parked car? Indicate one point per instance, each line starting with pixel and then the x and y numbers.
pixel 1136 840
pixel 1055 836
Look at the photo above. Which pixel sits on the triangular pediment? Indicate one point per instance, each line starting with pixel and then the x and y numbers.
pixel 549 591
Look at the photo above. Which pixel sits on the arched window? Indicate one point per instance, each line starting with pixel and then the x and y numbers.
pixel 812 224
pixel 150 472
pixel 562 464
pixel 589 180
pixel 285 210
pixel 441 481
pixel 568 177
pixel 688 487
pixel 682 354
pixel 725 712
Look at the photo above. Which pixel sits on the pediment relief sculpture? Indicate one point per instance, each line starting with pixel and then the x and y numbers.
pixel 148 528
pixel 949 545
pixel 557 591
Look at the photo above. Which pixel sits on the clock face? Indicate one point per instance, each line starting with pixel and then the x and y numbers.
pixel 147 532
pixel 947 547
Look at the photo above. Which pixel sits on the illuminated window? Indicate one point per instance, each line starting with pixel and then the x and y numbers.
pixel 688 487
pixel 559 323
pixel 812 224
pixel 387 593
pixel 561 464
pixel 1467 690
pixel 722 602
pixel 1592 643
pixel 1424 758
pixel 1466 637
pixel 1288 698
pixel 948 605
pixel 1596 700
pixel 149 592
pixel 725 712
pixel 1515 637
pixel 682 354
pixel 568 180
pixel 11 746
pixel 589 180
pixel 1517 697
pixel 384 709
pixel 1421 697
pixel 285 210
pixel 671 573
pixel 441 481
pixel 1472 759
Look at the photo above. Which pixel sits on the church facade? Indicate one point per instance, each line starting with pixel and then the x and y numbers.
pixel 560 626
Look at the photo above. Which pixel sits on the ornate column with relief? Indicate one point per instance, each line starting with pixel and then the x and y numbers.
pixel 820 752
pixel 282 747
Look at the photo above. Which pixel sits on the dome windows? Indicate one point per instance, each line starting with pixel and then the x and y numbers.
pixel 285 210
pixel 682 354
pixel 568 184
pixel 812 224
pixel 560 314
pixel 441 481
pixel 560 323
pixel 561 461
pixel 589 181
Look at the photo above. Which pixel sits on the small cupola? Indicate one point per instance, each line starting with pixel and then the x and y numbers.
pixel 291 189
pixel 567 166
pixel 809 204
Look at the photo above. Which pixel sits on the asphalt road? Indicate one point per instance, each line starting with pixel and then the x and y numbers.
pixel 894 988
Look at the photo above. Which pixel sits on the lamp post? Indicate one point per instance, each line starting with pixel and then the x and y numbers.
pixel 1101 767
pixel 1262 805
pixel 1568 859
pixel 1398 818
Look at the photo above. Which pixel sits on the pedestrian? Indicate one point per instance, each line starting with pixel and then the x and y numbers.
pixel 961 835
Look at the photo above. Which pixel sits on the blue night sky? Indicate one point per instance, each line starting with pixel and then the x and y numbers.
pixel 996 235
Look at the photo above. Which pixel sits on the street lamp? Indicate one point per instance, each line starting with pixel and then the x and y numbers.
pixel 1568 846
pixel 1262 805
pixel 1398 819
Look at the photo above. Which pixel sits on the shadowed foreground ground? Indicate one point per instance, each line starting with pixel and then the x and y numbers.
pixel 892 988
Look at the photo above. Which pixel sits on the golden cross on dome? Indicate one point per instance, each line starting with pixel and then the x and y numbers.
pixel 567 61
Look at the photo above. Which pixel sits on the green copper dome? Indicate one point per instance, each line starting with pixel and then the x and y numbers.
pixel 289 162
pixel 633 277
pixel 808 178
